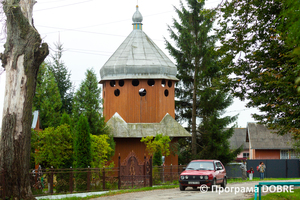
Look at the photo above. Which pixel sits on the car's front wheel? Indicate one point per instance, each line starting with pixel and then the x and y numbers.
pixel 212 184
pixel 182 188
pixel 223 185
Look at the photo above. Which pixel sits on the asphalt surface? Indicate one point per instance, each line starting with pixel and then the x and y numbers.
pixel 234 191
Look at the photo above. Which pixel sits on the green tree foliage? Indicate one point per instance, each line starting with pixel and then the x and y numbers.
pixel 159 144
pixel 255 48
pixel 87 101
pixel 184 151
pixel 47 98
pixel 213 140
pixel 54 147
pixel 194 54
pixel 157 157
pixel 82 151
pixel 62 78
pixel 65 119
pixel 101 150
pixel 289 26
pixel 82 143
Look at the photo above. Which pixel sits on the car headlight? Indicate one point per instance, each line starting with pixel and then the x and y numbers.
pixel 186 177
pixel 182 177
pixel 201 177
pixel 205 177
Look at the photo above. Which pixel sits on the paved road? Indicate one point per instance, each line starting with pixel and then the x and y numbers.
pixel 189 193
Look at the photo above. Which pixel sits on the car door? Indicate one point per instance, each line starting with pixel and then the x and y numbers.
pixel 221 172
pixel 217 173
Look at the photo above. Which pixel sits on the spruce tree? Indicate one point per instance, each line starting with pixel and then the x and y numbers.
pixel 194 54
pixel 82 151
pixel 47 98
pixel 82 148
pixel 213 140
pixel 198 93
pixel 62 77
pixel 65 119
pixel 87 101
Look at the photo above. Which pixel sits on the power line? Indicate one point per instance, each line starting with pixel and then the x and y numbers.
pixel 240 110
pixel 76 29
pixel 64 5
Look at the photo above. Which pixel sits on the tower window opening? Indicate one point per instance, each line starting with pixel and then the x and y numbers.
pixel 117 92
pixel 163 83
pixel 121 83
pixel 112 83
pixel 135 82
pixel 166 93
pixel 142 92
pixel 151 82
pixel 170 83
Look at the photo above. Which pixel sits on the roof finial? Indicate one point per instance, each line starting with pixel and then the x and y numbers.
pixel 137 19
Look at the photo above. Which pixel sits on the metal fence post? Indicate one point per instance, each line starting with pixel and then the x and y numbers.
pixel 103 175
pixel 119 172
pixel 88 183
pixel 71 181
pixel 145 169
pixel 51 180
pixel 150 172
pixel 171 173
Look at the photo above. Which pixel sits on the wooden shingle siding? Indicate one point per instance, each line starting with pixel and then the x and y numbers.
pixel 134 108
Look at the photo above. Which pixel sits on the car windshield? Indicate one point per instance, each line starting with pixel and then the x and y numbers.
pixel 200 166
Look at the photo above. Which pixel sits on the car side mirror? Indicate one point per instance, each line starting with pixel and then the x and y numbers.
pixel 183 168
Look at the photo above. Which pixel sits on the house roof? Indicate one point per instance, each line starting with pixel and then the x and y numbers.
pixel 239 138
pixel 260 137
pixel 138 57
pixel 168 126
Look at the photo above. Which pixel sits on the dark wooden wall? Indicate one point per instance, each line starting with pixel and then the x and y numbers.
pixel 134 108
pixel 125 145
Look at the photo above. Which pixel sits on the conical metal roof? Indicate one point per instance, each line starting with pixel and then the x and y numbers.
pixel 138 57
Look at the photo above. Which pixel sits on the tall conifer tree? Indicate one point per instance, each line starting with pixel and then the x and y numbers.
pixel 199 99
pixel 87 101
pixel 62 77
pixel 193 52
pixel 47 98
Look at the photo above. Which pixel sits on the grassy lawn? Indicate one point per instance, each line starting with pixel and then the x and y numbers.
pixel 282 196
pixel 238 180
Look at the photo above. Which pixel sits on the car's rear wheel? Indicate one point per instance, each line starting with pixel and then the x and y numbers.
pixel 182 188
pixel 212 184
pixel 223 185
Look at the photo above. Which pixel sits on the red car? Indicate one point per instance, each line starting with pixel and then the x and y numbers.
pixel 200 172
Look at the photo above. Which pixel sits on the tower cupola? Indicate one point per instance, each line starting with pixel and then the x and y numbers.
pixel 137 19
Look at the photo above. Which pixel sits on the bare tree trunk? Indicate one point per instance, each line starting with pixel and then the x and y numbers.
pixel 21 59
pixel 194 115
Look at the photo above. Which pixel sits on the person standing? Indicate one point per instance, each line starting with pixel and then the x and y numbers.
pixel 262 168
pixel 244 170
pixel 251 172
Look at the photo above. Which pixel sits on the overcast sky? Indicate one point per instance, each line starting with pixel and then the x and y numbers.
pixel 91 30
